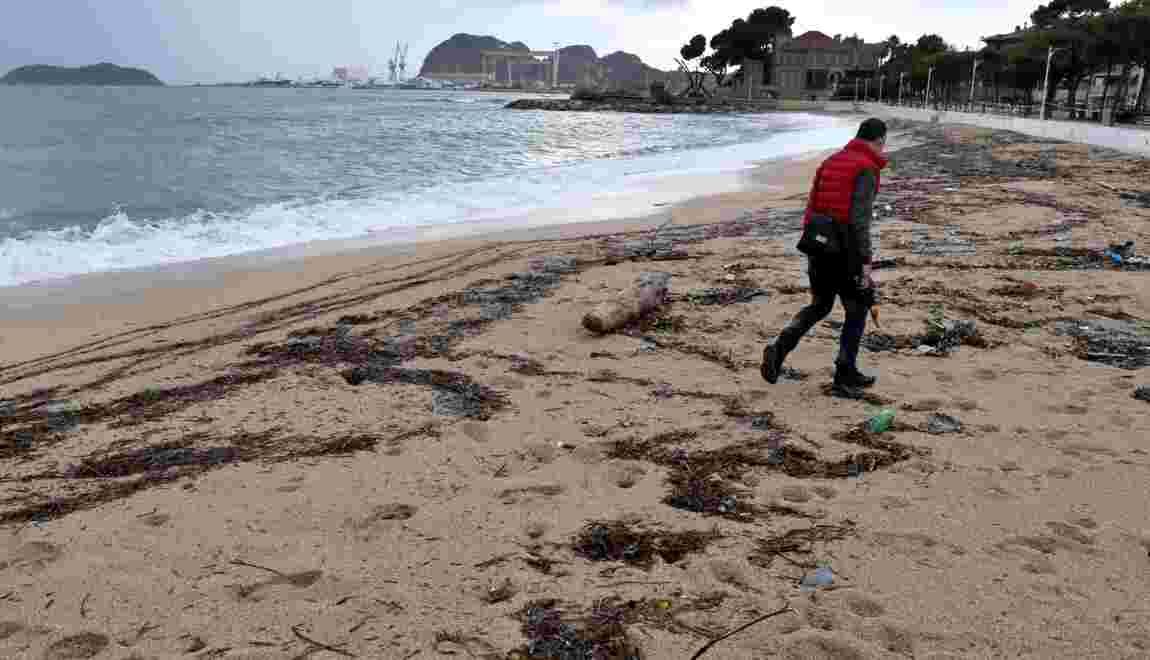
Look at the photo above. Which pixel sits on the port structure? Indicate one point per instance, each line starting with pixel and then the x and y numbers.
pixel 492 59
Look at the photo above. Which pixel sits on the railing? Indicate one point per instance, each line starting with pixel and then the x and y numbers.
pixel 1084 112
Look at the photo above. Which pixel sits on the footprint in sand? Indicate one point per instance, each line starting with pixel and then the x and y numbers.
pixel 861 616
pixel 258 591
pixel 826 645
pixel 9 628
pixel 1041 566
pixel 32 556
pixel 522 494
pixel 1087 452
pixel 1047 544
pixel 82 645
pixel 477 431
pixel 986 374
pixel 1068 409
pixel 923 405
pixel 889 502
pixel 1085 522
pixel 1069 531
pixel 795 493
pixel 377 519
pixel 825 492
pixel 156 519
pixel 916 545
pixel 625 475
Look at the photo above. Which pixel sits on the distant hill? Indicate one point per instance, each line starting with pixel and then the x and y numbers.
pixel 577 64
pixel 97 74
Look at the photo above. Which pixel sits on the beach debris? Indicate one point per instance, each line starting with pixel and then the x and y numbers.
pixel 727 296
pixel 1135 199
pixel 880 342
pixel 881 421
pixel 822 576
pixel 1142 393
pixel 950 244
pixel 792 374
pixel 646 295
pixel 776 448
pixel 601 635
pixel 939 424
pixel 498 593
pixel 1119 343
pixel 632 544
pixel 81 645
pixel 942 336
pixel 455 393
pixel 799 541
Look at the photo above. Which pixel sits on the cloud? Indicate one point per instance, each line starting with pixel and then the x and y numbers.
pixel 650 4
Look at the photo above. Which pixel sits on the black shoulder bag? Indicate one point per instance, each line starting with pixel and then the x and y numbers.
pixel 822 237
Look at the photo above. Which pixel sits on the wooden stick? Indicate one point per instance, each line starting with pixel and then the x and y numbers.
pixel 240 562
pixel 708 645
pixel 325 647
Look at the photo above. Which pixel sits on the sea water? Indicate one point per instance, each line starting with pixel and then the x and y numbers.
pixel 98 179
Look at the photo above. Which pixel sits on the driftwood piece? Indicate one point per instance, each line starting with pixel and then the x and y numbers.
pixel 645 296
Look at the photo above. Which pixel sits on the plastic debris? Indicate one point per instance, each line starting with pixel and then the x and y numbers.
pixel 939 424
pixel 822 577
pixel 881 422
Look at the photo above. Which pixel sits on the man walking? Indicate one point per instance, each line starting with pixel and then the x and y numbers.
pixel 842 199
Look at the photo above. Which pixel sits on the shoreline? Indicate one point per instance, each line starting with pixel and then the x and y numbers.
pixel 641 208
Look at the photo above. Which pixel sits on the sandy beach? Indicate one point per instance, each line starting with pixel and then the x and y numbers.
pixel 419 452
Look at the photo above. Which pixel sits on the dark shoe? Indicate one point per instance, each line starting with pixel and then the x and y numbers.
pixel 841 391
pixel 772 364
pixel 853 378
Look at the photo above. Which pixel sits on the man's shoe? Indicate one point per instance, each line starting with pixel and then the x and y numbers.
pixel 853 378
pixel 772 363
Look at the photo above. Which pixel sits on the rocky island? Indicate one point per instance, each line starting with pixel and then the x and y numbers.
pixel 97 74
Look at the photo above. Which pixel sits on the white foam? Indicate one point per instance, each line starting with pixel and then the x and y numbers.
pixel 592 190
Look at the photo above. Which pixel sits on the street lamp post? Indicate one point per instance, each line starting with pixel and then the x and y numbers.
pixel 929 79
pixel 555 66
pixel 973 76
pixel 866 89
pixel 901 75
pixel 881 84
pixel 1046 79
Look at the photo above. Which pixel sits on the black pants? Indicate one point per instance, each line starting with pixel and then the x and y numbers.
pixel 828 281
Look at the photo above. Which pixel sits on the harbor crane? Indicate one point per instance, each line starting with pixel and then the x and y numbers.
pixel 392 65
pixel 402 61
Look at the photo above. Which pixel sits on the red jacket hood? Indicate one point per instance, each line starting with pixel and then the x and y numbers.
pixel 862 147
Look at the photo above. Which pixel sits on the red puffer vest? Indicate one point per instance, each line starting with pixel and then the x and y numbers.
pixel 834 185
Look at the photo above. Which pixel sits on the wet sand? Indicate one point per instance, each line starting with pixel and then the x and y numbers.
pixel 422 454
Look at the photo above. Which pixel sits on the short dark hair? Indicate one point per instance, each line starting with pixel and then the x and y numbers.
pixel 872 129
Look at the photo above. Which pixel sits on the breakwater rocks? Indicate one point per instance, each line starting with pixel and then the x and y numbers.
pixel 642 105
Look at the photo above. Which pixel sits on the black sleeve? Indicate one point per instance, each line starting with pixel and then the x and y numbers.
pixel 862 211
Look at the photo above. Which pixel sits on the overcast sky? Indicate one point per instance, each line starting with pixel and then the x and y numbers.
pixel 223 40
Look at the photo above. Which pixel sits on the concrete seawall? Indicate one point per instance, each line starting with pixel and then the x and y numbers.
pixel 1131 140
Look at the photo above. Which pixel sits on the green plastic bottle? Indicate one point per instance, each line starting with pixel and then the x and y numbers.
pixel 881 422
